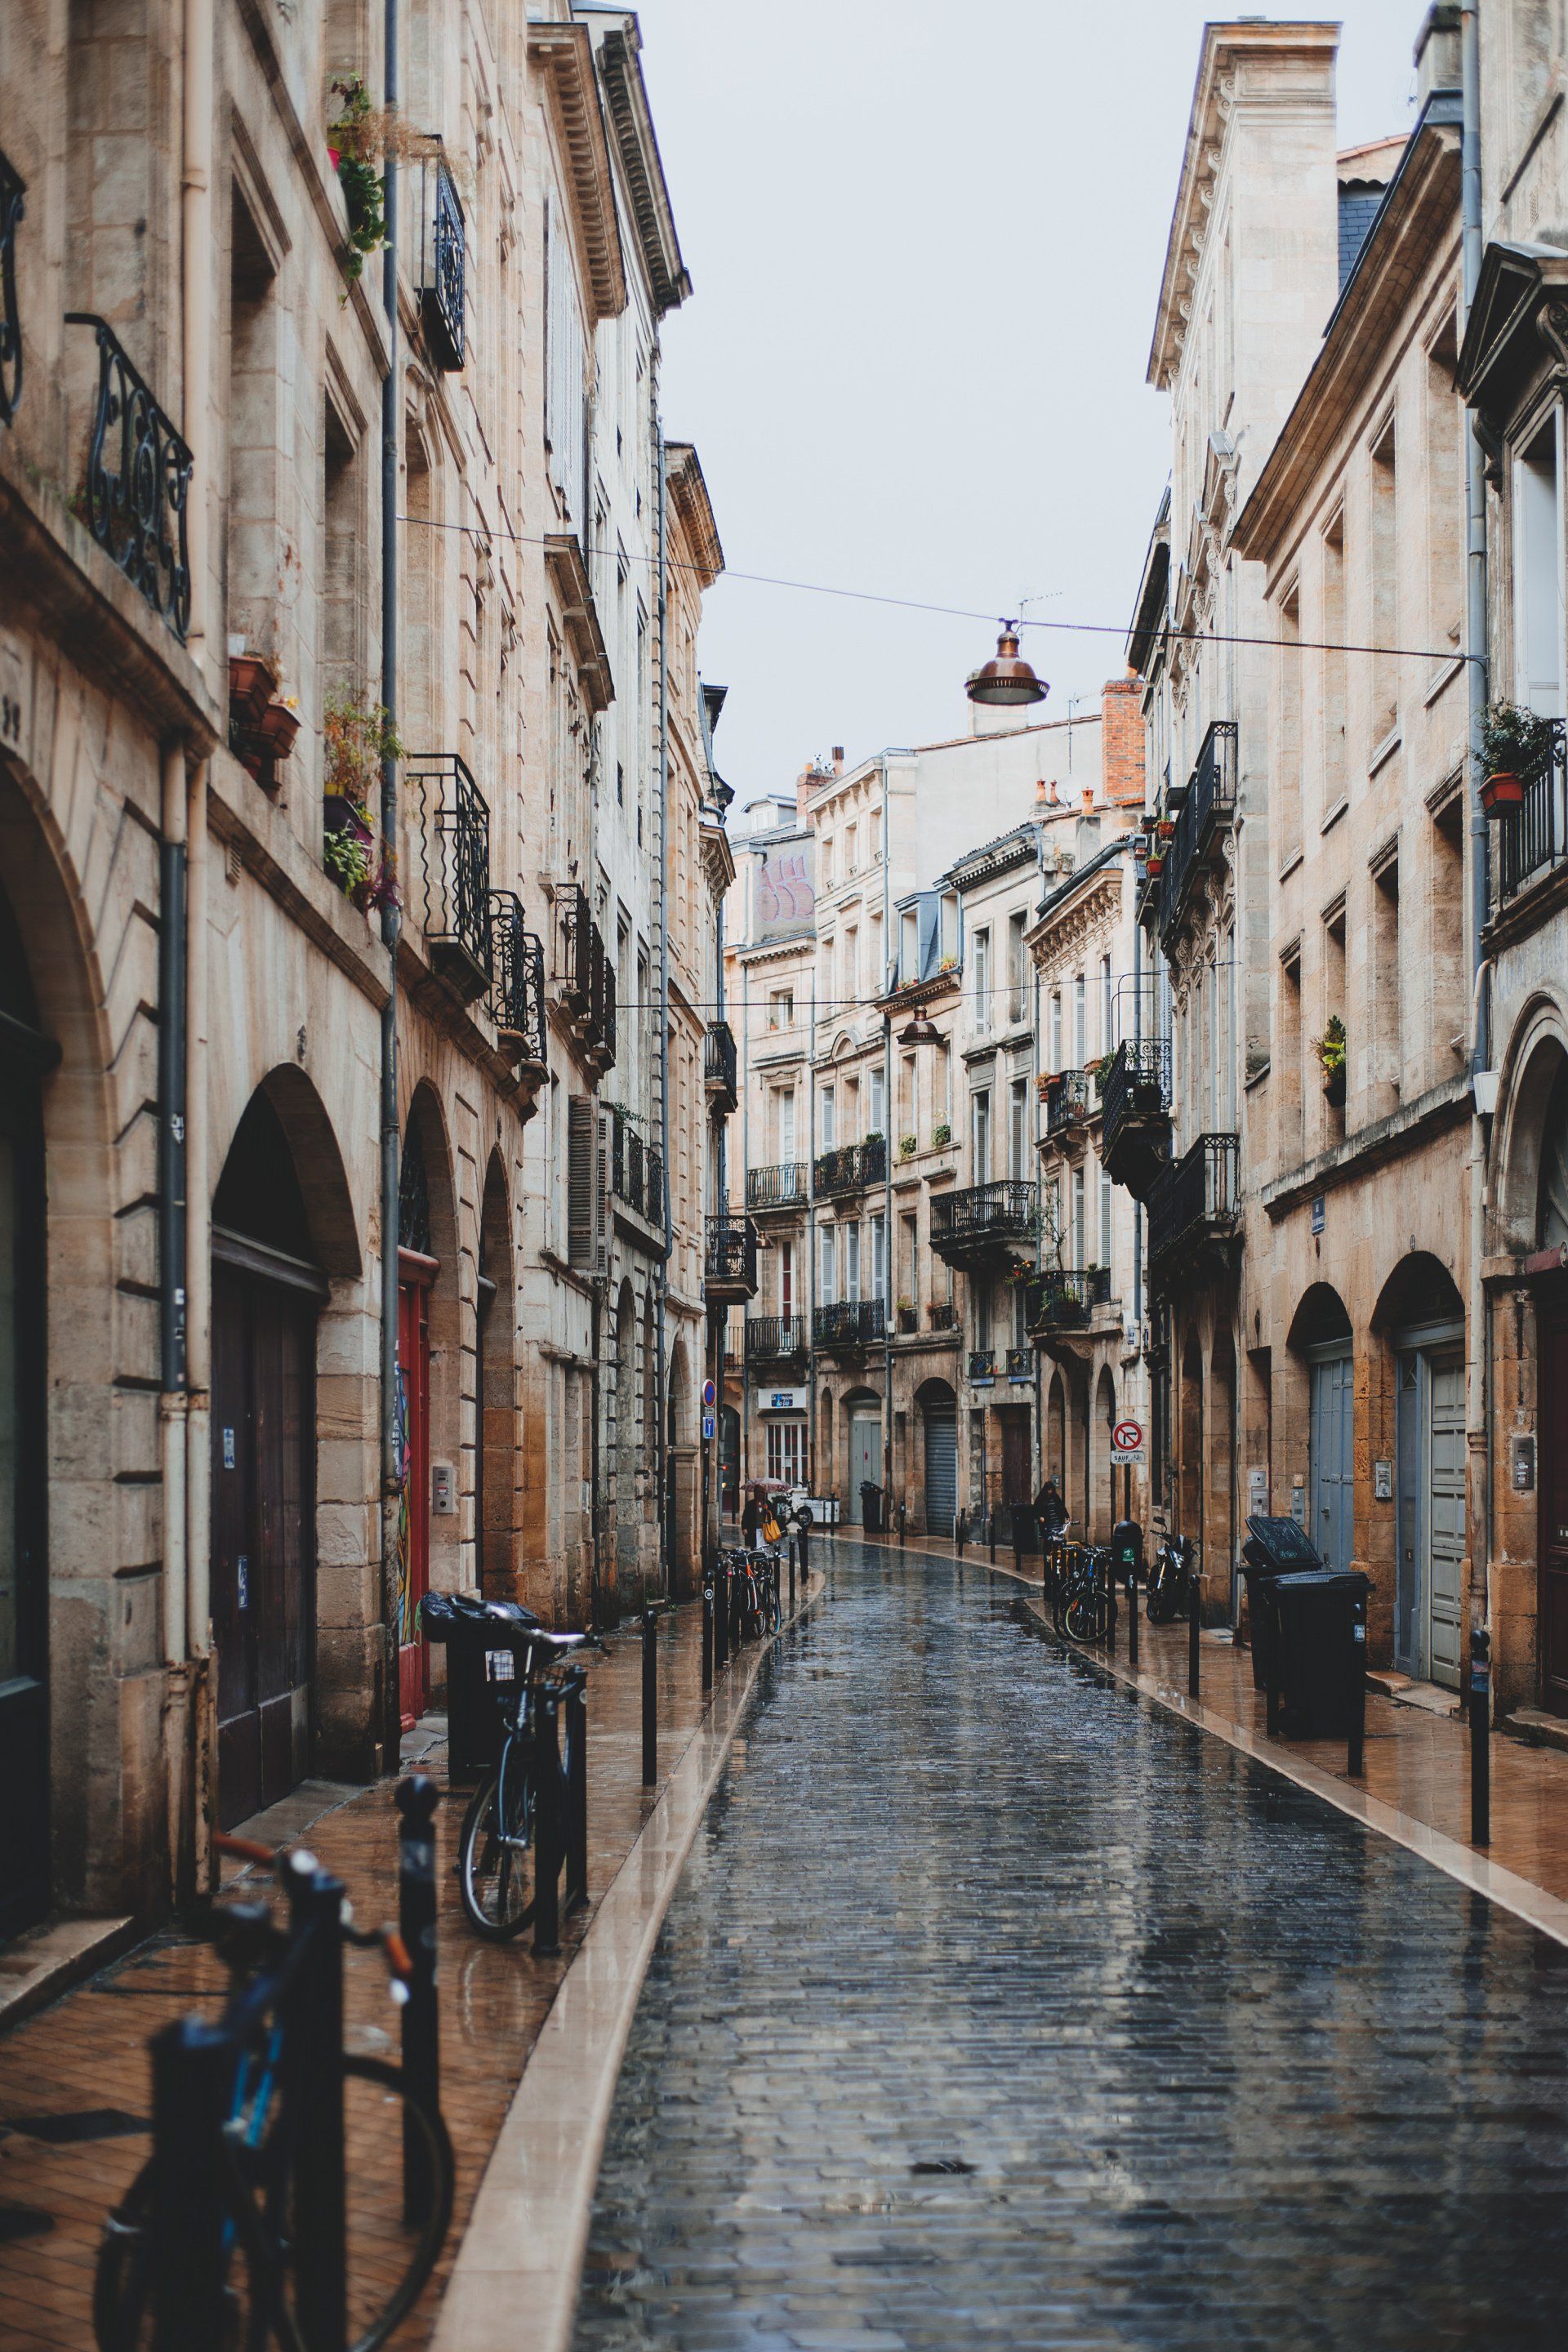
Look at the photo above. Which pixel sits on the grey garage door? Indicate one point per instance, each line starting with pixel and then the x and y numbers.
pixel 941 1468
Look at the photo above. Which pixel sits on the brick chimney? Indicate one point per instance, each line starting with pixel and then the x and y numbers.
pixel 1122 744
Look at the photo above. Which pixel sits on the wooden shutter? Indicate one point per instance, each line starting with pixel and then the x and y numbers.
pixel 581 1153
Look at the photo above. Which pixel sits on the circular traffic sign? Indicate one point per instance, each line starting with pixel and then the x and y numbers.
pixel 707 1393
pixel 1127 1436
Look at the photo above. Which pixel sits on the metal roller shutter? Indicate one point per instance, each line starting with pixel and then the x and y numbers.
pixel 941 1468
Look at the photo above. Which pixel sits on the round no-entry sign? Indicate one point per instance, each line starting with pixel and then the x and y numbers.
pixel 1127 1442
pixel 707 1393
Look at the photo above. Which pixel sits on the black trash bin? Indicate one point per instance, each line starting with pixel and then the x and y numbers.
pixel 1275 1548
pixel 1127 1550
pixel 1317 1654
pixel 487 1644
pixel 871 1507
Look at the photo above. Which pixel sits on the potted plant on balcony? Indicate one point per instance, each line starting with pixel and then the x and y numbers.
pixel 356 738
pixel 908 1320
pixel 908 1146
pixel 941 1135
pixel 252 683
pixel 347 860
pixel 354 140
pixel 1514 741
pixel 1101 1072
pixel 1329 1049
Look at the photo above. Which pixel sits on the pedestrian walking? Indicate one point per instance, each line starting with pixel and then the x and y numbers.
pixel 1050 1510
pixel 751 1517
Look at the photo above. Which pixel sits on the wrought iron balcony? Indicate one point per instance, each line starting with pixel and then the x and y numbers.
pixel 653 1186
pixel 1067 1101
pixel 517 997
pixel 730 1270
pixel 852 1167
pixel 719 1067
pixel 629 1157
pixel 1063 1298
pixel 975 1227
pixel 784 1187
pixel 982 1367
pixel 1207 809
pixel 851 1323
pixel 455 870
pixel 943 1315
pixel 441 299
pixel 1020 1363
pixel 1533 838
pixel 136 511
pixel 1194 1203
pixel 1135 1135
pixel 600 1039
pixel 13 189
pixel 581 963
pixel 775 1340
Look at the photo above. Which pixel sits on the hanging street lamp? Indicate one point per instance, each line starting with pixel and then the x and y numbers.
pixel 1007 680
pixel 920 1032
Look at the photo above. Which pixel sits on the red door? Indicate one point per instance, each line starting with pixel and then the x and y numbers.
pixel 1551 1447
pixel 415 1275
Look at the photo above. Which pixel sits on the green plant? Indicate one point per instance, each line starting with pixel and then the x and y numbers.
pixel 1513 740
pixel 1330 1048
pixel 1101 1072
pixel 347 860
pixel 873 1135
pixel 355 138
pixel 356 738
pixel 905 1306
pixel 941 1135
pixel 908 1146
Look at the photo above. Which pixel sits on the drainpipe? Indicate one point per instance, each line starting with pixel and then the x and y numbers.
pixel 199 1326
pixel 172 1083
pixel 663 1467
pixel 1478 1319
pixel 391 1462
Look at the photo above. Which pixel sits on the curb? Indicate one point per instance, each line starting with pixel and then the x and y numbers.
pixel 523 2249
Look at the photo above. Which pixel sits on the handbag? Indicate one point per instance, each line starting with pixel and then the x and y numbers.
pixel 770 1530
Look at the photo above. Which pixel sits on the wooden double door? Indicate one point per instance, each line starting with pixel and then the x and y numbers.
pixel 1552 1449
pixel 263 1519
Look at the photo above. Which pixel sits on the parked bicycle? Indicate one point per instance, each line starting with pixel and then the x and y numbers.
pixel 497 1851
pixel 232 2228
pixel 1171 1581
pixel 1083 1598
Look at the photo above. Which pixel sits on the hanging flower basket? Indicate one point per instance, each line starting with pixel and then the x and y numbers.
pixel 251 686
pixel 1156 863
pixel 1501 794
pixel 278 727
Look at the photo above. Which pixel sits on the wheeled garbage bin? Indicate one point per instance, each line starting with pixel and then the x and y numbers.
pixel 487 1647
pixel 1275 1548
pixel 1316 1611
pixel 871 1507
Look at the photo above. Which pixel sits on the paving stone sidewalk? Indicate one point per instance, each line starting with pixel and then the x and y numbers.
pixel 74 2079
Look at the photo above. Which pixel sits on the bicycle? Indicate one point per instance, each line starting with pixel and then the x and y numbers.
pixel 1083 1603
pixel 259 2148
pixel 1171 1582
pixel 497 1850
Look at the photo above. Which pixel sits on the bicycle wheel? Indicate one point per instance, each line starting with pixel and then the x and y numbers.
pixel 388 2256
pixel 495 1852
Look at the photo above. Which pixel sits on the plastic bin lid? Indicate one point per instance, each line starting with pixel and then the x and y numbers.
pixel 1325 1580
pixel 1283 1543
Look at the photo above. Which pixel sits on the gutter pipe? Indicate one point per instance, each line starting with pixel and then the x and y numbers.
pixel 391 1460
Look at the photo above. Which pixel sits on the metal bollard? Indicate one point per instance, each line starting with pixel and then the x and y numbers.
pixel 547 1833
pixel 707 1633
pixel 1017 1545
pixel 802 1537
pixel 1132 1619
pixel 1480 1739
pixel 992 1532
pixel 416 1800
pixel 193 2084
pixel 1109 1576
pixel 650 1701
pixel 1355 1759
pixel 312 2010
pixel 720 1617
pixel 575 1703
pixel 1194 1619
pixel 959 1530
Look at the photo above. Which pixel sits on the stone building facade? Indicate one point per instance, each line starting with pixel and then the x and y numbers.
pixel 317 1295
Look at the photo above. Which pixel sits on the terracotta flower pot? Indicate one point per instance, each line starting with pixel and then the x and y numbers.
pixel 251 686
pixel 1156 863
pixel 1501 792
pixel 278 728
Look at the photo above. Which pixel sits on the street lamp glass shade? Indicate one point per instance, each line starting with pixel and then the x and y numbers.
pixel 920 1032
pixel 1008 679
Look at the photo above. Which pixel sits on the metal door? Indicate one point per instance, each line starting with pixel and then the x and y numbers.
pixel 1333 1458
pixel 1017 1485
pixel 941 1468
pixel 1551 1447
pixel 1446 1515
pixel 865 1460
pixel 412 1564
pixel 24 1572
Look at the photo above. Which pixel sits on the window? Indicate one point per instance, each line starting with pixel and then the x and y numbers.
pixel 1079 1022
pixel 1445 496
pixel 783 1098
pixel 824 1105
pixel 1288 839
pixel 1447 971
pixel 1055 1029
pixel 1103 1255
pixel 876 1101
pixel 787 1451
pixel 982 980
pixel 1076 1237
pixel 852 963
pixel 908 1239
pixel 828 1266
pixel 942 1083
pixel 1538 573
pixel 852 1261
pixel 1018 1130
pixel 1335 1000
pixel 1020 1314
pixel 907 1094
pixel 1107 1008
pixel 1334 632
pixel 850 857
pixel 879 1256
pixel 1287 1065
pixel 1387 1016
pixel 786 1277
pixel 781 1009
pixel 1018 970
pixel 982 1293
pixel 1384 567
pixel 828 861
pixel 980 1137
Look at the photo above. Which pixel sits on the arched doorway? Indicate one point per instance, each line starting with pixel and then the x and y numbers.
pixel 1056 1432
pixel 681 1500
pixel 1220 1563
pixel 939 1431
pixel 26 1055
pixel 268 1291
pixel 495 1396
pixel 1551 1444
pixel 863 1432
pixel 428 1548
pixel 1190 1444
pixel 1104 1474
pixel 1321 1336
pixel 626 1441
pixel 1420 1398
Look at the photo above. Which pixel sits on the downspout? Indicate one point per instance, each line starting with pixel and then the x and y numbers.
pixel 663 1467
pixel 887 1186
pixel 391 1453
pixel 172 1302
pixel 198 1327
pixel 1477 1318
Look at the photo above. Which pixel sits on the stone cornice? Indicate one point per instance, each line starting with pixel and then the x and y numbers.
pixel 569 578
pixel 1404 1131
pixel 1081 919
pixel 694 512
pixel 631 120
pixel 718 857
pixel 565 54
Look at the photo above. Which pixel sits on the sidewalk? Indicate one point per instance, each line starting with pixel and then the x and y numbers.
pixel 74 2079
pixel 1416 1785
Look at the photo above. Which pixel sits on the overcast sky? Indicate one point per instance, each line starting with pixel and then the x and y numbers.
pixel 926 242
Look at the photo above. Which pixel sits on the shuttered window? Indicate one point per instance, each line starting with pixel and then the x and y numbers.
pixel 581 1147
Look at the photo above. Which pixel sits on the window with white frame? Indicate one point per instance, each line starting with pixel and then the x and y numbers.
pixel 825 1110
pixel 1056 1030
pixel 876 1100
pixel 852 1261
pixel 982 980
pixel 1105 1216
pixel 1079 1022
pixel 781 1009
pixel 1538 570
pixel 879 1256
pixel 1107 1008
pixel 1077 1257
pixel 1018 1129
pixel 828 1266
pixel 787 1451
pixel 980 1137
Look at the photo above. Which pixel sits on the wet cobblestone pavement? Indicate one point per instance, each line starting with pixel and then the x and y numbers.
pixel 1221 2067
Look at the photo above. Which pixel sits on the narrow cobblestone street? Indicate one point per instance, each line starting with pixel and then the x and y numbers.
pixel 998 2005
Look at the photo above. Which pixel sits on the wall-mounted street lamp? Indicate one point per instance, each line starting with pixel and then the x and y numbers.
pixel 1007 680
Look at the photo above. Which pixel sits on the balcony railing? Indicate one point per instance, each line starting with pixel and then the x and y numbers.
pixel 784 1187
pixel 455 870
pixel 13 189
pixel 1533 838
pixel 445 256
pixel 653 1184
pixel 1194 1199
pixel 1063 1298
pixel 720 1065
pixel 1137 1086
pixel 943 1315
pixel 1067 1100
pixel 974 1225
pixel 629 1157
pixel 982 1366
pixel 852 1167
pixel 730 1269
pixel 776 1338
pixel 589 976
pixel 851 1323
pixel 1020 1363
pixel 136 511
pixel 1207 806
pixel 516 995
